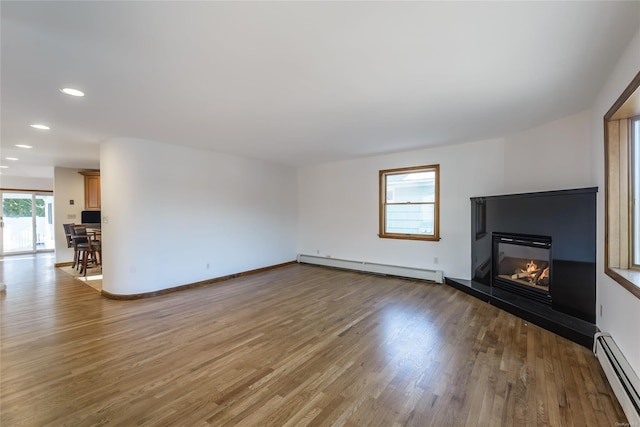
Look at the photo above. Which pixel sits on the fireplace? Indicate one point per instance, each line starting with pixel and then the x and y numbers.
pixel 555 229
pixel 522 264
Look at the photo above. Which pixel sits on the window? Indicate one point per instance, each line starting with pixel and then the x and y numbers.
pixel 409 203
pixel 635 191
pixel 622 189
pixel 27 222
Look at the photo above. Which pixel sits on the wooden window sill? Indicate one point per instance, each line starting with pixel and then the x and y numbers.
pixel 629 279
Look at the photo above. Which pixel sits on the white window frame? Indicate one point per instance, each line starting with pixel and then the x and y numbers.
pixel 634 192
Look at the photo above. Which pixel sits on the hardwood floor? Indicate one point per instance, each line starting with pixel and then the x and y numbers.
pixel 299 345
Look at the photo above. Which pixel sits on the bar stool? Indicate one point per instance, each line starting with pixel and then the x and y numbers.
pixel 89 250
pixel 68 232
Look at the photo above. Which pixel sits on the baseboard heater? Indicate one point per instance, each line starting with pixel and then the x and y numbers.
pixel 621 377
pixel 370 267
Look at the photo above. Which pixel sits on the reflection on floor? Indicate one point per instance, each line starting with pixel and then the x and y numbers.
pixel 298 345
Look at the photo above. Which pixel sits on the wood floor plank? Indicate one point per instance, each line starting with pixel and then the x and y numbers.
pixel 295 346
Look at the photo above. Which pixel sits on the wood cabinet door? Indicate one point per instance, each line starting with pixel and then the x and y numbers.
pixel 92 192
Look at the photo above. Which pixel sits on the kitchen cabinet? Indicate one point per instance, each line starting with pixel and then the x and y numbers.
pixel 91 190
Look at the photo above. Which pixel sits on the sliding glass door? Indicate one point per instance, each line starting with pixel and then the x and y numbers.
pixel 27 222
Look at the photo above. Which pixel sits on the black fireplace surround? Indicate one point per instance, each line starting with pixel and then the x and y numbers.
pixel 516 237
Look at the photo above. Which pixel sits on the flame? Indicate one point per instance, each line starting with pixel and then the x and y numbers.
pixel 531 267
pixel 545 273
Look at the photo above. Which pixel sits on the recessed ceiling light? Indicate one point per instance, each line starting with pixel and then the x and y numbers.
pixel 23 146
pixel 41 127
pixel 11 158
pixel 4 167
pixel 72 91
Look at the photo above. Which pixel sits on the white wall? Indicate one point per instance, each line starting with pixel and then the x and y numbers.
pixel 553 156
pixel 620 309
pixel 171 210
pixel 68 185
pixel 26 183
pixel 338 206
pixel 339 201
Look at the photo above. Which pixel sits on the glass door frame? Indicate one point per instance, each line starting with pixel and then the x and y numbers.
pixel 35 194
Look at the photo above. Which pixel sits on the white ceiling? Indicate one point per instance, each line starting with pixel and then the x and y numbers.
pixel 295 82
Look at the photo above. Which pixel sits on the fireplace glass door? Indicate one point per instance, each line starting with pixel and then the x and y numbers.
pixel 522 264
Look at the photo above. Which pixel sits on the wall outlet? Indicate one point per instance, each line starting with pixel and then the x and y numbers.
pixel 72 216
pixel 208 265
pixel 435 260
